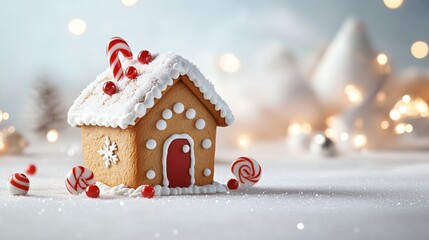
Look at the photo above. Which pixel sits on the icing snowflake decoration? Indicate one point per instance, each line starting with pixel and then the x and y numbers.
pixel 108 154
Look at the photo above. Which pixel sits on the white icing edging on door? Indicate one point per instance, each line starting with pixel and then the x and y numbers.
pixel 165 152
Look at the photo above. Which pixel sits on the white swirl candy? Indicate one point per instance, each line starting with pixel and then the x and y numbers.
pixel 246 170
pixel 78 179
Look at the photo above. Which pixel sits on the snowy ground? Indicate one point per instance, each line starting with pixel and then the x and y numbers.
pixel 371 196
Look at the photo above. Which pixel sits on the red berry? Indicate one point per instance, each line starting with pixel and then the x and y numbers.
pixel 144 57
pixel 92 191
pixel 232 184
pixel 31 169
pixel 131 72
pixel 148 191
pixel 109 88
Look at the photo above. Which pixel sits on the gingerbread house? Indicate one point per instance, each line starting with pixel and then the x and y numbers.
pixel 157 129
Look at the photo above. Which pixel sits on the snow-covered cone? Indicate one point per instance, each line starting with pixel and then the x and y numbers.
pixel 349 61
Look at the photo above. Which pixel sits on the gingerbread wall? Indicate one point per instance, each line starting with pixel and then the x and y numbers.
pixel 179 123
pixel 136 158
pixel 125 171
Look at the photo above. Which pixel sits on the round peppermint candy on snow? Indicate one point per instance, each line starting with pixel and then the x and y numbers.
pixel 246 170
pixel 18 184
pixel 78 179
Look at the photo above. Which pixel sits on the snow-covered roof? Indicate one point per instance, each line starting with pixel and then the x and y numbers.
pixel 134 97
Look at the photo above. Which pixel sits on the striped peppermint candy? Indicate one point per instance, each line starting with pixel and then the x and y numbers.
pixel 246 170
pixel 115 46
pixel 18 184
pixel 78 179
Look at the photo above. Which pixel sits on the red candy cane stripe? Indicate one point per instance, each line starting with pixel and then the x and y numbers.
pixel 78 179
pixel 246 170
pixel 115 46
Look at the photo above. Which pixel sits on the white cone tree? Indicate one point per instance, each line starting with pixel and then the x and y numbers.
pixel 349 64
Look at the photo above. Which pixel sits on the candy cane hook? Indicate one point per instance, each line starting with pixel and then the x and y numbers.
pixel 115 46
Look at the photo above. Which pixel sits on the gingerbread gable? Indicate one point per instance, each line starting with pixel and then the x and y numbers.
pixel 135 97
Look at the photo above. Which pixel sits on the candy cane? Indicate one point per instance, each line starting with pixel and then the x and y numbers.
pixel 246 170
pixel 78 179
pixel 115 46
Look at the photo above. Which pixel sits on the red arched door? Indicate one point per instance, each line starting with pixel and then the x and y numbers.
pixel 179 163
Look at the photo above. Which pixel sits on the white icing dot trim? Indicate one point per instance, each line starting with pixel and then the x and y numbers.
pixel 207 172
pixel 190 113
pixel 122 190
pixel 150 174
pixel 151 144
pixel 207 143
pixel 167 114
pixel 186 148
pixel 178 108
pixel 200 124
pixel 161 124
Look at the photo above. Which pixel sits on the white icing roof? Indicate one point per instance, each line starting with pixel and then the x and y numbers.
pixel 134 97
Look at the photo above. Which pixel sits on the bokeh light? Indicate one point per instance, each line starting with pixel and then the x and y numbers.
pixel 353 94
pixel 419 49
pixel 382 59
pixel 243 141
pixel 409 107
pixel 359 141
pixel 344 136
pixel 330 132
pixel 52 135
pixel 384 124
pixel 77 26
pixel 393 4
pixel 298 128
pixel 402 128
pixel 229 63
pixel 129 3
pixel 5 116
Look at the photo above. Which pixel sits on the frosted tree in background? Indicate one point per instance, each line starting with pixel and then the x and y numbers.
pixel 46 109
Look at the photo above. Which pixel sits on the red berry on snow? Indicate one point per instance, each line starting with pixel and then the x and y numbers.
pixel 144 57
pixel 232 184
pixel 148 191
pixel 109 88
pixel 131 72
pixel 31 169
pixel 92 191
